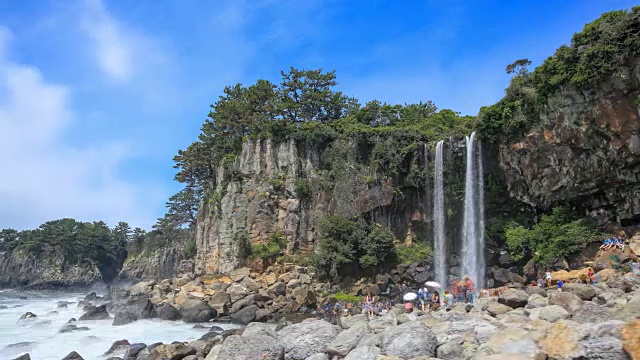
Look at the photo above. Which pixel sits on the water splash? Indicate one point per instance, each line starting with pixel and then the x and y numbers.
pixel 473 263
pixel 439 239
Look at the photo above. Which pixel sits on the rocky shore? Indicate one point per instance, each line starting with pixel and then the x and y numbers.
pixel 580 322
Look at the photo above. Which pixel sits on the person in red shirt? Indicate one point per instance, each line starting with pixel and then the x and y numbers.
pixel 470 287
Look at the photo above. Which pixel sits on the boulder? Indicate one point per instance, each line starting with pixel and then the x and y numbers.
pixel 495 309
pixel 23 357
pixel 347 340
pixel 28 315
pixel 450 351
pixel 194 310
pixel 141 308
pixel 514 298
pixel 410 340
pixel 243 303
pixel 96 313
pixel 321 356
pixel 631 339
pixel 250 284
pixel 237 292
pixel 306 338
pixel 562 341
pixel 118 346
pixel 168 351
pixel 591 313
pixel 278 288
pixel 537 301
pixel 123 318
pixel 256 328
pixel 550 313
pixel 92 296
pixel 245 315
pixel 221 302
pixel 73 356
pixel 568 301
pixel 238 275
pixel 364 352
pixel 133 350
pixel 261 347
pixel 583 291
pixel 603 348
pixel 168 312
pixel 531 289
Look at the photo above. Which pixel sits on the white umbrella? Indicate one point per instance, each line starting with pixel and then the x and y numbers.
pixel 432 284
pixel 409 296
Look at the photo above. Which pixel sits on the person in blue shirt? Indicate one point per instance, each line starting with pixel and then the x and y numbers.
pixel 606 245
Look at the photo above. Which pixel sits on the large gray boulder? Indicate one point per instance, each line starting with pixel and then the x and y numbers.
pixel 256 347
pixel 96 313
pixel 167 351
pixel 195 310
pixel 410 340
pixel 306 338
pixel 591 313
pixel 123 318
pixel 495 309
pixel 256 328
pixel 551 313
pixel 514 298
pixel 537 301
pixel 221 302
pixel 245 315
pixel 364 352
pixel 583 291
pixel 568 301
pixel 450 351
pixel 348 339
pixel 605 348
pixel 168 312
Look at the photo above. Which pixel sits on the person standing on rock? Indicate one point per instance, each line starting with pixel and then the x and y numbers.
pixel 470 289
pixel 547 277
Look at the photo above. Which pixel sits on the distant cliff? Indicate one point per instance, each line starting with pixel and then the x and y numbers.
pixel 19 269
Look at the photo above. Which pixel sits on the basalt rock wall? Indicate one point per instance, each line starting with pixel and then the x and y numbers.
pixel 258 193
pixel 586 153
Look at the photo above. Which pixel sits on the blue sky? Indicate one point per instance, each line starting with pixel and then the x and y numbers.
pixel 96 96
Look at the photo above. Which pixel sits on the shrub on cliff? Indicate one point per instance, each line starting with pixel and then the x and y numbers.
pixel 347 244
pixel 272 248
pixel 556 235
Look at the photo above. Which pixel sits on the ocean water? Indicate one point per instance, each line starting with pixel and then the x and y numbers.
pixel 41 339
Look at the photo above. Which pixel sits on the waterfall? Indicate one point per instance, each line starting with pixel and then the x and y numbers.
pixel 473 227
pixel 439 240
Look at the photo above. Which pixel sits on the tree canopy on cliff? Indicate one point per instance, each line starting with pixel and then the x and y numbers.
pixel 79 242
pixel 602 49
pixel 304 106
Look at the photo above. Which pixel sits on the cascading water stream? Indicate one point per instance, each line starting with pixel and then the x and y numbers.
pixel 473 226
pixel 439 240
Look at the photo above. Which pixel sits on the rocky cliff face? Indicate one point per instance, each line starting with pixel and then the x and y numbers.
pixel 586 153
pixel 259 193
pixel 47 271
pixel 160 264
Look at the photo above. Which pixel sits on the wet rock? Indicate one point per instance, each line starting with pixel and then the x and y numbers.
pixel 410 340
pixel 23 357
pixel 261 347
pixel 72 321
pixel 24 345
pixel 123 318
pixel 96 313
pixel 306 338
pixel 168 312
pixel 73 356
pixel 514 298
pixel 92 296
pixel 118 346
pixel 28 315
pixel 133 350
pixel 71 327
pixel 245 315
pixel 194 310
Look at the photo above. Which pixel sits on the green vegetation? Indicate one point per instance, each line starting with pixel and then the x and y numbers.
pixel 344 297
pixel 303 189
pixel 419 251
pixel 556 235
pixel 601 49
pixel 351 244
pixel 272 248
pixel 305 107
pixel 79 242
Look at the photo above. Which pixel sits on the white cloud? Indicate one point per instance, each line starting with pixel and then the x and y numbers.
pixel 42 176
